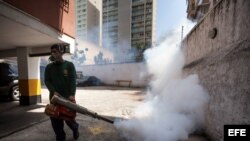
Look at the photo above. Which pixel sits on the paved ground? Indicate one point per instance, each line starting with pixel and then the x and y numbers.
pixel 29 123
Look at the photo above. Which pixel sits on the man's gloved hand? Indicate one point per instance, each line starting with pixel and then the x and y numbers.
pixel 56 93
pixel 72 99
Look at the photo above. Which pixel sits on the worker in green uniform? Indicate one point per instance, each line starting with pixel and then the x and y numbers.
pixel 60 79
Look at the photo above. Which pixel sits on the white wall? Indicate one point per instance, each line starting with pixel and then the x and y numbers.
pixel 109 73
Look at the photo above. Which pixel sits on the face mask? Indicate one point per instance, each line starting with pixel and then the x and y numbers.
pixel 51 58
pixel 55 55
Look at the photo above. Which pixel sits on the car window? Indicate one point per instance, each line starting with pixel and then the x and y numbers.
pixel 6 69
pixel 13 69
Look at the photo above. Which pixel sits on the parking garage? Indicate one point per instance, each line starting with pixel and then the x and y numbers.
pixel 26 34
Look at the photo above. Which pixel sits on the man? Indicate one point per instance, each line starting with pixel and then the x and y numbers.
pixel 60 79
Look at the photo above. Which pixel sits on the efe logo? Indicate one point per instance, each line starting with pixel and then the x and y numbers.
pixel 236 132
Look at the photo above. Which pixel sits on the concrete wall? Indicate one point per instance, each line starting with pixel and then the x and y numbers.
pixel 109 73
pixel 223 64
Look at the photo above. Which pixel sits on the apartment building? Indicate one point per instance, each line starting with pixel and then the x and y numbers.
pixel 116 27
pixel 119 25
pixel 143 24
pixel 196 9
pixel 116 22
pixel 88 20
pixel 128 25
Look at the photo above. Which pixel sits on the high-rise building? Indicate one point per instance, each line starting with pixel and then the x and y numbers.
pixel 116 23
pixel 88 17
pixel 120 25
pixel 143 23
pixel 116 27
pixel 128 25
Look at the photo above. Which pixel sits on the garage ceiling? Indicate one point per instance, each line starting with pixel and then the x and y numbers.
pixel 18 29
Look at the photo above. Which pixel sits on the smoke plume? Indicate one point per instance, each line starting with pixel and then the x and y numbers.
pixel 175 104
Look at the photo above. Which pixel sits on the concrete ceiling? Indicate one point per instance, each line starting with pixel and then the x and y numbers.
pixel 14 34
pixel 19 29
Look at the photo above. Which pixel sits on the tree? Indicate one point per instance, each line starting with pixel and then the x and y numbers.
pixel 140 47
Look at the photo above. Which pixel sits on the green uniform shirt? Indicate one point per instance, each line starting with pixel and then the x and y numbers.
pixel 61 78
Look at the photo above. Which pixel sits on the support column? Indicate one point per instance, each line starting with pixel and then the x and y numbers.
pixel 29 77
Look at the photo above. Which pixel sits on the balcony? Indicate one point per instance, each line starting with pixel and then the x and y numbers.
pixel 110 8
pixel 137 31
pixel 149 11
pixel 137 36
pixel 137 8
pixel 138 2
pixel 138 44
pixel 109 1
pixel 148 35
pixel 134 1
pixel 141 24
pixel 148 23
pixel 148 28
pixel 108 30
pixel 137 18
pixel 148 16
pixel 110 19
pixel 138 13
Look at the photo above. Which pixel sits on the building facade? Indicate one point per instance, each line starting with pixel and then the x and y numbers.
pixel 143 24
pixel 116 19
pixel 196 9
pixel 88 18
pixel 127 27
pixel 116 27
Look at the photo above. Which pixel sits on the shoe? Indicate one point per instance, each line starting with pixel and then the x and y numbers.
pixel 76 134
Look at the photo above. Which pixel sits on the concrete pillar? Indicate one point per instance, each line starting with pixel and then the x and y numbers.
pixel 29 77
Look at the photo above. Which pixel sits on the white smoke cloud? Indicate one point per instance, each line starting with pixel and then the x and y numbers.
pixel 175 104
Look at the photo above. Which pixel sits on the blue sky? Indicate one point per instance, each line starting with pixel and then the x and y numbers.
pixel 170 13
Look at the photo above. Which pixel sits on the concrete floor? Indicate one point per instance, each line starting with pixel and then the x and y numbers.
pixel 29 123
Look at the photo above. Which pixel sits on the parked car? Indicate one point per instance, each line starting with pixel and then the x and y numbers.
pixel 9 80
pixel 87 81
